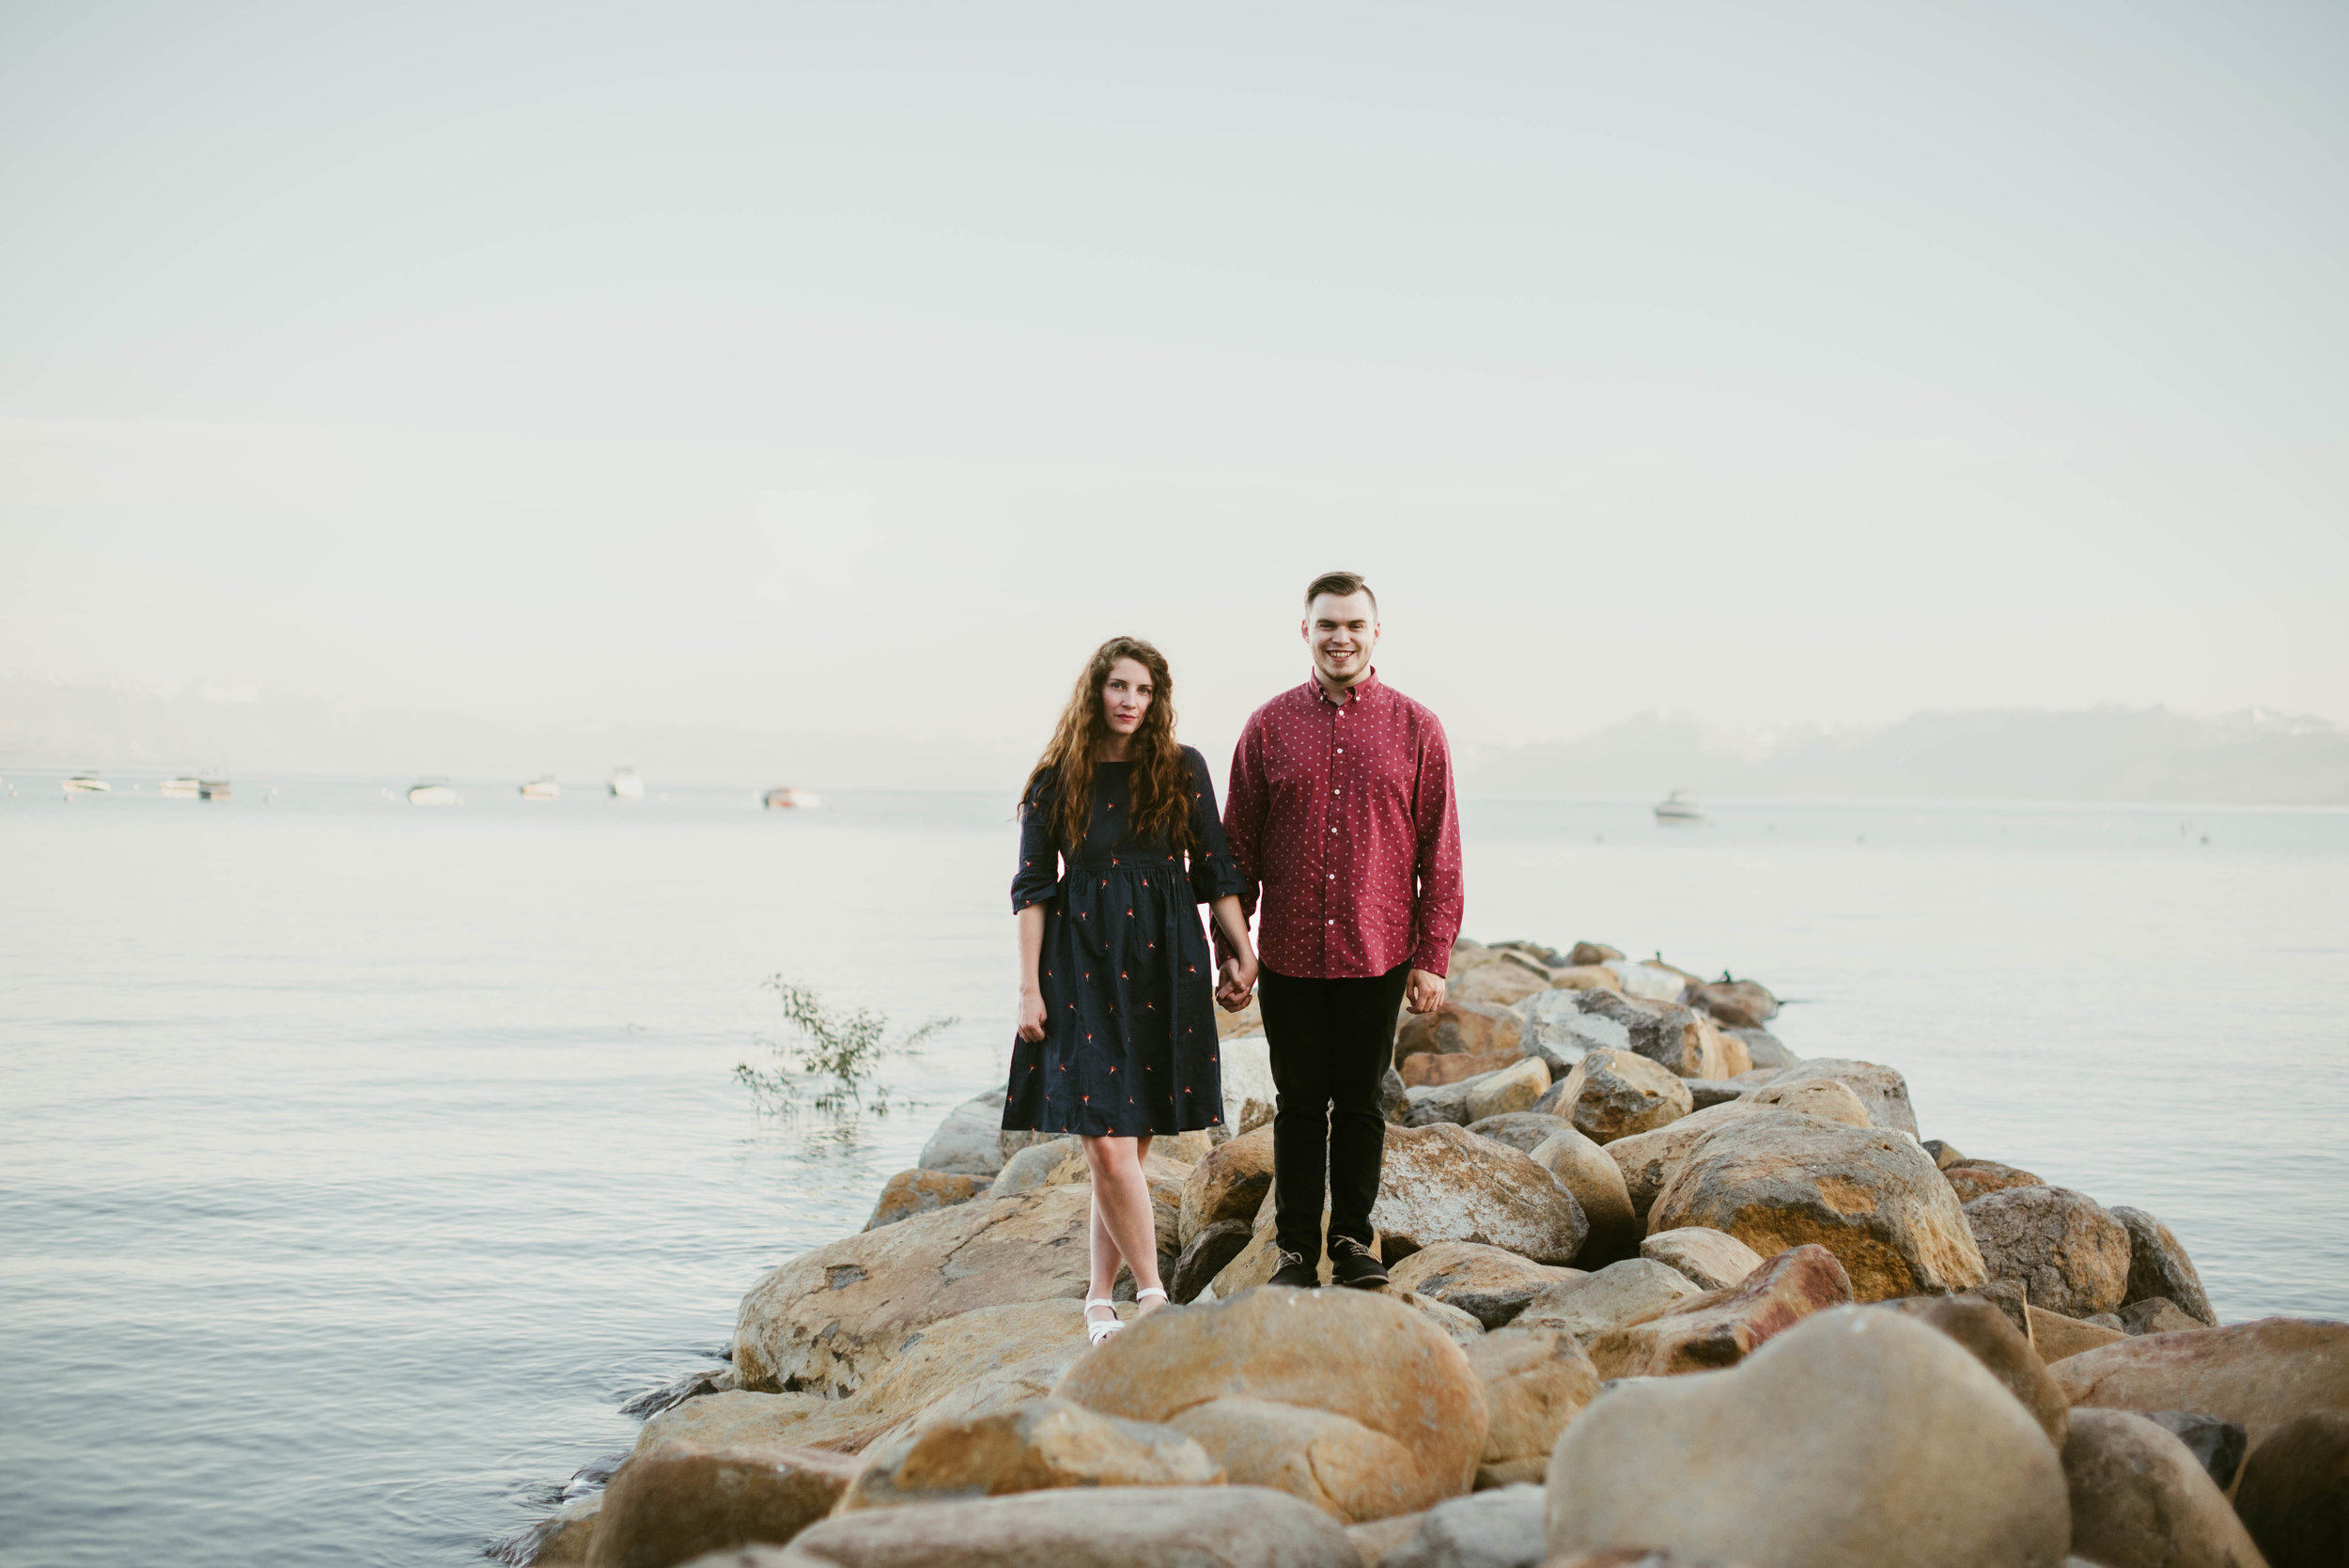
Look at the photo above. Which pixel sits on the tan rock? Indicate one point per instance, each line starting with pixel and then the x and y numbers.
pixel 1250 1095
pixel 1739 1003
pixel 1248 1020
pixel 1589 954
pixel 1522 1129
pixel 1459 1027
pixel 568 1535
pixel 735 1419
pixel 1585 977
pixel 1536 1381
pixel 1944 1153
pixel 1497 1527
pixel 2158 1315
pixel 1584 1169
pixel 1499 984
pixel 1651 982
pixel 1427 1069
pixel 1490 1284
pixel 1979 1178
pixel 1444 1182
pixel 1455 1324
pixel 1510 1089
pixel 2294 1494
pixel 2060 1338
pixel 969 1140
pixel 1778 1179
pixel 1644 1556
pixel 911 1192
pixel 2139 1499
pixel 673 1506
pixel 1258 1259
pixel 1723 1328
pixel 2258 1375
pixel 2159 1267
pixel 1648 1160
pixel 1992 1338
pixel 1030 1447
pixel 1229 1184
pixel 1687 1045
pixel 1619 1294
pixel 1613 1094
pixel 1853 1440
pixel 1204 1256
pixel 1884 1091
pixel 1829 1099
pixel 1379 1537
pixel 2062 1246
pixel 1712 1260
pixel 1349 1400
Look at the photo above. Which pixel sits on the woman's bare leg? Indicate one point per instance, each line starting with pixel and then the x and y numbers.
pixel 1121 1214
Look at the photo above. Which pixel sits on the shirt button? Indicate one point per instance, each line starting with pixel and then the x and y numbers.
pixel 1333 922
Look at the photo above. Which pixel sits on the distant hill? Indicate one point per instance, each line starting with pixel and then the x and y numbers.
pixel 2101 753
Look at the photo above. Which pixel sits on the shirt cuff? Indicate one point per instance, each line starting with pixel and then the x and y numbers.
pixel 1434 963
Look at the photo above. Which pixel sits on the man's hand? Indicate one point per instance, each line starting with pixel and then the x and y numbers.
pixel 1425 992
pixel 1240 979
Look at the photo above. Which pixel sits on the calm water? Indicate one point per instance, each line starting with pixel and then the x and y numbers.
pixel 358 1160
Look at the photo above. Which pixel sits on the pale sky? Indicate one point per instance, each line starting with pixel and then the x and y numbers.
pixel 859 367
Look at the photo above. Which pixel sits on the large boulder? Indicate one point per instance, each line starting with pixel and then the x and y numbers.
pixel 1736 1004
pixel 2216 1446
pixel 1648 1160
pixel 1854 1439
pixel 2258 1375
pixel 1584 1169
pixel 2140 1501
pixel 967 1143
pixel 1992 1338
pixel 911 1192
pixel 1444 1182
pixel 1778 1179
pixel 1884 1091
pixel 1229 1184
pixel 1512 1089
pixel 1206 1255
pixel 2156 1314
pixel 1107 1527
pixel 1765 1049
pixel 1592 953
pixel 1349 1400
pixel 1723 1328
pixel 2159 1267
pixel 737 1417
pixel 1619 1294
pixel 1565 1025
pixel 2066 1251
pixel 1827 1098
pixel 1488 1283
pixel 1712 1260
pixel 1460 1027
pixel 1615 1093
pixel 1427 1070
pixel 2295 1496
pixel 1979 1178
pixel 1520 1129
pixel 1029 1447
pixel 674 1506
pixel 1498 1528
pixel 1536 1381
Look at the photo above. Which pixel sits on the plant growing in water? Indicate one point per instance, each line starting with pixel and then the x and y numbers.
pixel 839 1056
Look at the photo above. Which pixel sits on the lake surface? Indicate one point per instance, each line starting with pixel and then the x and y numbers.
pixel 359 1160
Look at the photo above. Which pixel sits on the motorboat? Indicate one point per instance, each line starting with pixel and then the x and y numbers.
pixel 626 786
pixel 784 798
pixel 431 792
pixel 1679 806
pixel 213 789
pixel 543 787
pixel 187 788
pixel 87 784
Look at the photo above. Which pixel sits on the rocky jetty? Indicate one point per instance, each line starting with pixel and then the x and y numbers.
pixel 1663 1294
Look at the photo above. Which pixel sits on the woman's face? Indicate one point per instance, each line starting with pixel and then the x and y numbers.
pixel 1126 695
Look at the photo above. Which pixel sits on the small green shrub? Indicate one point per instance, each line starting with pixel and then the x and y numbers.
pixel 838 1057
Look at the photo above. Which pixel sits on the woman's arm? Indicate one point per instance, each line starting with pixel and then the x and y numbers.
pixel 1030 955
pixel 1238 971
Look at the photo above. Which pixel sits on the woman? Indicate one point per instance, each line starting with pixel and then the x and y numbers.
pixel 1116 1040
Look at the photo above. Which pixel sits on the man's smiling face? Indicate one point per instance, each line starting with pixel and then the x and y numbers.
pixel 1342 630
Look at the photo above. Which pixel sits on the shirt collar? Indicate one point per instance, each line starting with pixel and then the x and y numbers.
pixel 1353 693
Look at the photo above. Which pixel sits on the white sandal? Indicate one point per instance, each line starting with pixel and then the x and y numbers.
pixel 1142 1295
pixel 1097 1332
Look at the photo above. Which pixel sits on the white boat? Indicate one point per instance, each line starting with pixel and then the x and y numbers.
pixel 215 789
pixel 542 788
pixel 87 784
pixel 431 792
pixel 784 798
pixel 626 786
pixel 187 788
pixel 1679 806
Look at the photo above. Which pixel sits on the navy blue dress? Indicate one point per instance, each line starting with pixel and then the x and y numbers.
pixel 1130 1043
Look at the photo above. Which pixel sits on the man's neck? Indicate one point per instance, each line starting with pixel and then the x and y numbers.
pixel 1336 690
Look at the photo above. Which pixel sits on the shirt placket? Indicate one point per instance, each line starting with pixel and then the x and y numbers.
pixel 1334 845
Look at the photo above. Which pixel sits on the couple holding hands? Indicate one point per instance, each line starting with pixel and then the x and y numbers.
pixel 1341 818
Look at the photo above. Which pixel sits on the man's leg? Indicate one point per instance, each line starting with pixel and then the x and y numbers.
pixel 1295 1028
pixel 1359 1044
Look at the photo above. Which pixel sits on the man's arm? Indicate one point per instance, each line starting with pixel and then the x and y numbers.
pixel 1436 908
pixel 1245 800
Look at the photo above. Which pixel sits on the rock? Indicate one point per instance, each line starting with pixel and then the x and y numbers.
pixel 1707 1092
pixel 1648 1160
pixel 1613 1094
pixel 1460 1027
pixel 2009 1298
pixel 673 1506
pixel 1344 1398
pixel 1257 1261
pixel 1884 1091
pixel 1619 1294
pixel 1378 1538
pixel 1591 953
pixel 2217 1446
pixel 1444 1182
pixel 2058 1337
pixel 1107 1527
pixel 1030 1447
pixel 965 1143
pixel 1250 1097
pixel 1828 1099
pixel 1765 1049
pixel 734 1419
pixel 1012 1140
pixel 2159 1267
pixel 2107 1320
pixel 2258 1375
pixel 1853 1440
pixel 2157 1315
pixel 1489 1284
pixel 911 1192
pixel 1512 1089
pixel 1456 1325
pixel 567 1535
pixel 1427 1069
pixel 1525 1130
pixel 1536 1381
pixel 2062 1246
pixel 1500 983
pixel 1429 1105
pixel 1683 1043
pixel 1548 957
pixel 1206 1255
pixel 1723 1328
pixel 2140 1501
pixel 1585 977
pixel 1979 1178
pixel 2005 1353
pixel 1584 1169
pixel 1650 982
pixel 1499 1529
pixel 1038 1165
pixel 1710 1259
pixel 2294 1498
pixel 1738 1004
pixel 1229 1184
pixel 1777 1179
pixel 1641 1557
pixel 1394 1104
pixel 1248 1020
pixel 1568 1023
pixel 1944 1155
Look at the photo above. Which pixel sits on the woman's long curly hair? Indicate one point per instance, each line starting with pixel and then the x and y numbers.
pixel 1161 780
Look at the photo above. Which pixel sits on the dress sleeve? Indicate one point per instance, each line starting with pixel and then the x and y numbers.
pixel 1038 880
pixel 1213 874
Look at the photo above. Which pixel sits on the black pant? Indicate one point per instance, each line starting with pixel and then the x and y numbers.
pixel 1331 1042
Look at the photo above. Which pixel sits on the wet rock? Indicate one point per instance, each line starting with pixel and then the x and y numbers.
pixel 1030 1447
pixel 1512 1089
pixel 1499 1529
pixel 1204 1256
pixel 2217 1446
pixel 2158 1315
pixel 2294 1498
pixel 2005 1353
pixel 1613 1094
pixel 2060 1338
pixel 1979 1178
pixel 676 1505
pixel 1619 1294
pixel 568 1535
pixel 1828 1099
pixel 1648 1160
pixel 1884 1091
pixel 1765 1049
pixel 1535 1380
pixel 1778 1179
pixel 1737 1004
pixel 2062 1246
pixel 1107 1527
pixel 1584 1169
pixel 2159 1267
pixel 1489 1284
pixel 1723 1328
pixel 1444 1182
pixel 693 1385
pixel 1525 1130
pixel 1591 953
pixel 1944 1155
pixel 911 1192
pixel 1346 1399
pixel 1229 1184
pixel 2140 1501
pixel 1427 1070
pixel 2258 1375
pixel 965 1143
pixel 1853 1440
pixel 1461 1028
pixel 1711 1259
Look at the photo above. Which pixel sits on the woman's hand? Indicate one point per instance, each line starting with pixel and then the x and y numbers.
pixel 1239 980
pixel 1030 1014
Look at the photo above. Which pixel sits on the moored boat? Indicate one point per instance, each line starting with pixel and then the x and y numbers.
pixel 431 792
pixel 184 788
pixel 213 789
pixel 1679 806
pixel 543 787
pixel 626 786
pixel 88 783
pixel 784 798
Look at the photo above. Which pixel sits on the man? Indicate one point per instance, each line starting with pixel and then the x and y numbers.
pixel 1340 810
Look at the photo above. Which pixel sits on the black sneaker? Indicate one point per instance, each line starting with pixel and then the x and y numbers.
pixel 1295 1270
pixel 1354 1264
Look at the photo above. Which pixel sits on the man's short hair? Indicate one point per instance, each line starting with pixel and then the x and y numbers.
pixel 1341 584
